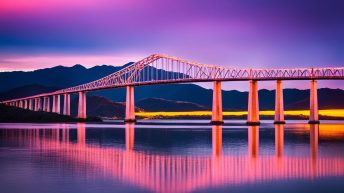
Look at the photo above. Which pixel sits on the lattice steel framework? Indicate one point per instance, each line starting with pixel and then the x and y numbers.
pixel 163 69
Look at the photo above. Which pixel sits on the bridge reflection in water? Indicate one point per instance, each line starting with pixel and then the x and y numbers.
pixel 181 173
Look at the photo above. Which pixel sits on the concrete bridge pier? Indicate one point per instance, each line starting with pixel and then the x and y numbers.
pixel 130 105
pixel 56 104
pixel 48 104
pixel 253 104
pixel 25 104
pixel 20 104
pixel 313 106
pixel 36 104
pixel 53 108
pixel 44 104
pixel 39 104
pixel 66 104
pixel 31 104
pixel 216 118
pixel 279 106
pixel 82 105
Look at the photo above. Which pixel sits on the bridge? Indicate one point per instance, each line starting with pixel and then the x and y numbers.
pixel 179 173
pixel 163 69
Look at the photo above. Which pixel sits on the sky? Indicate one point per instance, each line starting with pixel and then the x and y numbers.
pixel 234 33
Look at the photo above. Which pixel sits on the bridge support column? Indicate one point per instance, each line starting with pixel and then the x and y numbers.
pixel 36 104
pixel 53 108
pixel 253 104
pixel 216 118
pixel 39 104
pixel 279 106
pixel 56 104
pixel 25 104
pixel 31 104
pixel 47 108
pixel 129 136
pixel 66 104
pixel 130 105
pixel 82 105
pixel 45 104
pixel 20 104
pixel 313 115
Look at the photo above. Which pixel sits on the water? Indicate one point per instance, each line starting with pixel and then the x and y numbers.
pixel 164 157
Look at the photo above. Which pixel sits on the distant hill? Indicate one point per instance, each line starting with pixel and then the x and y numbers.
pixel 101 107
pixel 157 104
pixel 24 91
pixel 58 77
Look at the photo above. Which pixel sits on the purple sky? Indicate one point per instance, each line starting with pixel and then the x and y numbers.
pixel 240 33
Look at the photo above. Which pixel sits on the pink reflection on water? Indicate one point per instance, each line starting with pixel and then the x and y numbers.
pixel 182 173
pixel 129 136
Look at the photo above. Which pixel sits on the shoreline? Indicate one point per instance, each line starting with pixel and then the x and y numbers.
pixel 326 114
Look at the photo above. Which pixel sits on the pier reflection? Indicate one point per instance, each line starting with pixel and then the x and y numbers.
pixel 81 133
pixel 253 141
pixel 279 140
pixel 217 140
pixel 179 173
pixel 129 136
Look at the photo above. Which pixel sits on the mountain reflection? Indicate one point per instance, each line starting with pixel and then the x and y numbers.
pixel 160 172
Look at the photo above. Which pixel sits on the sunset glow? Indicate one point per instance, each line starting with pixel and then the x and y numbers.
pixel 171 96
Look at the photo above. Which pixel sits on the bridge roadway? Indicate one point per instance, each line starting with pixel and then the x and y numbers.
pixel 181 173
pixel 162 69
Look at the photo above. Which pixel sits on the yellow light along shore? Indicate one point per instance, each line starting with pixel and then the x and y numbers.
pixel 328 112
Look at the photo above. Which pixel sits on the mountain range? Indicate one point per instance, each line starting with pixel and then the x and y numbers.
pixel 168 97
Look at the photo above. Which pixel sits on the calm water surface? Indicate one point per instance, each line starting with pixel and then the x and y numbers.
pixel 160 157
